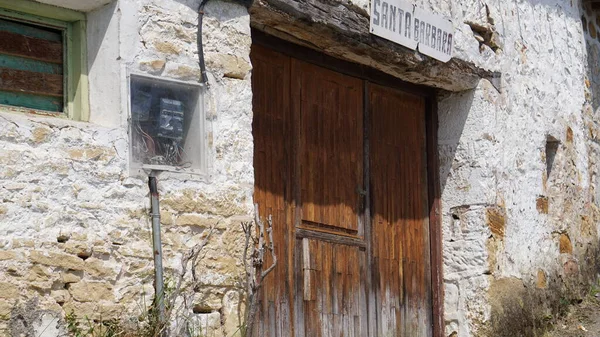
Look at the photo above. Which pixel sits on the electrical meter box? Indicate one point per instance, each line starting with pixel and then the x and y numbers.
pixel 166 124
pixel 171 119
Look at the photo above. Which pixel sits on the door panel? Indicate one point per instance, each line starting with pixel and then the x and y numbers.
pixel 400 224
pixel 333 289
pixel 329 108
pixel 331 148
pixel 271 123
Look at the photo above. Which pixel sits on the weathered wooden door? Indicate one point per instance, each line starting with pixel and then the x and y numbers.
pixel 400 225
pixel 330 245
pixel 343 172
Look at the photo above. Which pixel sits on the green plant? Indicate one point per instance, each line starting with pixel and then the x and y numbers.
pixel 109 328
pixel 595 289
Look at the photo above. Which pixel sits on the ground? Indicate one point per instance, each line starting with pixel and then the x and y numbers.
pixel 582 320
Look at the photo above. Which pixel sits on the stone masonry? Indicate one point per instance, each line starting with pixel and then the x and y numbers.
pixel 518 162
pixel 74 223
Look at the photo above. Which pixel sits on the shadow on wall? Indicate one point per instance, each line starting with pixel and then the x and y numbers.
pixel 453 111
pixel 98 35
pixel 591 31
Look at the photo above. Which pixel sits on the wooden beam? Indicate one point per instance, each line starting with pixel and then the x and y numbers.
pixel 335 64
pixel 342 31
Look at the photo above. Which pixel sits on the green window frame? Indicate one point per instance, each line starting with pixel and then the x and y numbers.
pixel 73 25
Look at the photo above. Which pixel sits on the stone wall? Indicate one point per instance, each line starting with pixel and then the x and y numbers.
pixel 74 223
pixel 518 171
pixel 518 167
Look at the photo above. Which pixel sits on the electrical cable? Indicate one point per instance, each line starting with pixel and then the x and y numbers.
pixel 203 77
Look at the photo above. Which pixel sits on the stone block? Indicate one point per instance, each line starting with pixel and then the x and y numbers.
pixel 166 218
pixel 231 65
pixel 99 269
pixel 496 221
pixel 153 67
pixel 60 296
pixel 135 266
pixel 569 135
pixel 83 250
pixel 40 134
pixel 23 243
pixel 167 48
pixel 185 73
pixel 226 203
pixel 39 273
pixel 137 249
pixel 5 255
pixel 209 299
pixel 9 290
pixel 81 309
pixel 93 153
pixel 101 248
pixel 541 204
pixel 233 240
pixel 5 309
pixel 565 245
pixel 541 281
pixel 451 298
pixel 571 267
pixel 56 260
pixel 91 291
pixel 70 277
pixel 195 220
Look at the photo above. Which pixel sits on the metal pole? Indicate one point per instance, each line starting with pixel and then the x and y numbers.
pixel 159 294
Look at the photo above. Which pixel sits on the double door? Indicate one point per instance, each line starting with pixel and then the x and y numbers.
pixel 340 165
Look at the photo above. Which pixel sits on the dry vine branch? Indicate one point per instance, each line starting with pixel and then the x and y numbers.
pixel 191 256
pixel 258 246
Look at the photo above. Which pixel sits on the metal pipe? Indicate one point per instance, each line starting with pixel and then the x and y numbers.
pixel 159 293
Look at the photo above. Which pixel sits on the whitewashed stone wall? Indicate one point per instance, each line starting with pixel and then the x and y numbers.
pixel 74 225
pixel 518 242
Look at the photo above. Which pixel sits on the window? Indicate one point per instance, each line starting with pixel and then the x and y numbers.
pixel 43 59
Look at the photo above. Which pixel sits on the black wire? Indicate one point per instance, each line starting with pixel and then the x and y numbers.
pixel 203 76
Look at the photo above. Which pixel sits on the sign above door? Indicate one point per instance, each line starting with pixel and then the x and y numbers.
pixel 403 23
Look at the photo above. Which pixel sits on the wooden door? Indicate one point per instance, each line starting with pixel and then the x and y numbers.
pixel 331 297
pixel 343 172
pixel 272 174
pixel 399 212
